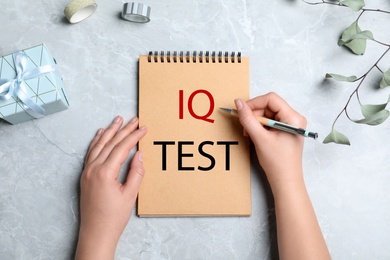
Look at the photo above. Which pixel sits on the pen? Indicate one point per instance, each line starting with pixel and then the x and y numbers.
pixel 277 125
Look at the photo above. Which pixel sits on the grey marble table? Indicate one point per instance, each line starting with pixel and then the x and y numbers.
pixel 291 46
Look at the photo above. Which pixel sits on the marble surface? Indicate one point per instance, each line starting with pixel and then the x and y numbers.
pixel 291 45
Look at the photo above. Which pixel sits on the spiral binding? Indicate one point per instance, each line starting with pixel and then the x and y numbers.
pixel 180 57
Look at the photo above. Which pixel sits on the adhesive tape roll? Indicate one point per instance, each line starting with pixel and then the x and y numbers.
pixel 79 10
pixel 136 12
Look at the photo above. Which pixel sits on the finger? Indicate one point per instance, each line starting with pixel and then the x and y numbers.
pixel 126 130
pixel 108 134
pixel 275 107
pixel 270 104
pixel 135 176
pixel 249 121
pixel 120 152
pixel 119 136
pixel 93 143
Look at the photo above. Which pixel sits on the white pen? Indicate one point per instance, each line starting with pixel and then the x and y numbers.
pixel 277 125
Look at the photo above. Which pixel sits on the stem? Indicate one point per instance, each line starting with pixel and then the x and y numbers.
pixel 339 4
pixel 381 43
pixel 381 71
pixel 323 2
pixel 376 10
pixel 356 91
pixel 360 15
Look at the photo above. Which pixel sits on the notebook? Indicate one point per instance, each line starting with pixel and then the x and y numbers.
pixel 196 158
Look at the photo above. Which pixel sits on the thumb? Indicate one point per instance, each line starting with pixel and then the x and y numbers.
pixel 249 121
pixel 135 176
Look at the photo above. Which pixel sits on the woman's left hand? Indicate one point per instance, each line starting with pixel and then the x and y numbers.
pixel 105 203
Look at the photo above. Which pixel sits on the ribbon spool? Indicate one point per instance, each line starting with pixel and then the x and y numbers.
pixel 136 12
pixel 78 10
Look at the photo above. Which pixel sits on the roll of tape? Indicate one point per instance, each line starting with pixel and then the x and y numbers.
pixel 78 10
pixel 136 12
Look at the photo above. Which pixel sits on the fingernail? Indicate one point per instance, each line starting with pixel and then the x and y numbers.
pixel 100 131
pixel 238 103
pixel 117 119
pixel 140 156
pixel 142 128
pixel 134 119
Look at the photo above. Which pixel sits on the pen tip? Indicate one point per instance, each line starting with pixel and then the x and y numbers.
pixel 225 109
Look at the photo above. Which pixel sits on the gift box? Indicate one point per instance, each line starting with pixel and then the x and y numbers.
pixel 31 85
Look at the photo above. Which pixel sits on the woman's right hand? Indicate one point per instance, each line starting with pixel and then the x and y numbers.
pixel 279 153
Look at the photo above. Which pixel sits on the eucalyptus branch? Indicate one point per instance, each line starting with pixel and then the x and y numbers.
pixel 356 91
pixel 355 39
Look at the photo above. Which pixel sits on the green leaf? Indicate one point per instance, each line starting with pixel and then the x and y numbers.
pixel 367 35
pixel 357 46
pixel 341 77
pixel 336 137
pixel 352 30
pixel 369 110
pixel 354 39
pixel 385 80
pixel 375 119
pixel 355 5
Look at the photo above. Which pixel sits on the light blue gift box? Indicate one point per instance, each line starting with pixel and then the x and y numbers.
pixel 31 85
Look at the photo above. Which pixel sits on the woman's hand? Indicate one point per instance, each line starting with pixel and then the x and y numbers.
pixel 279 153
pixel 105 203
